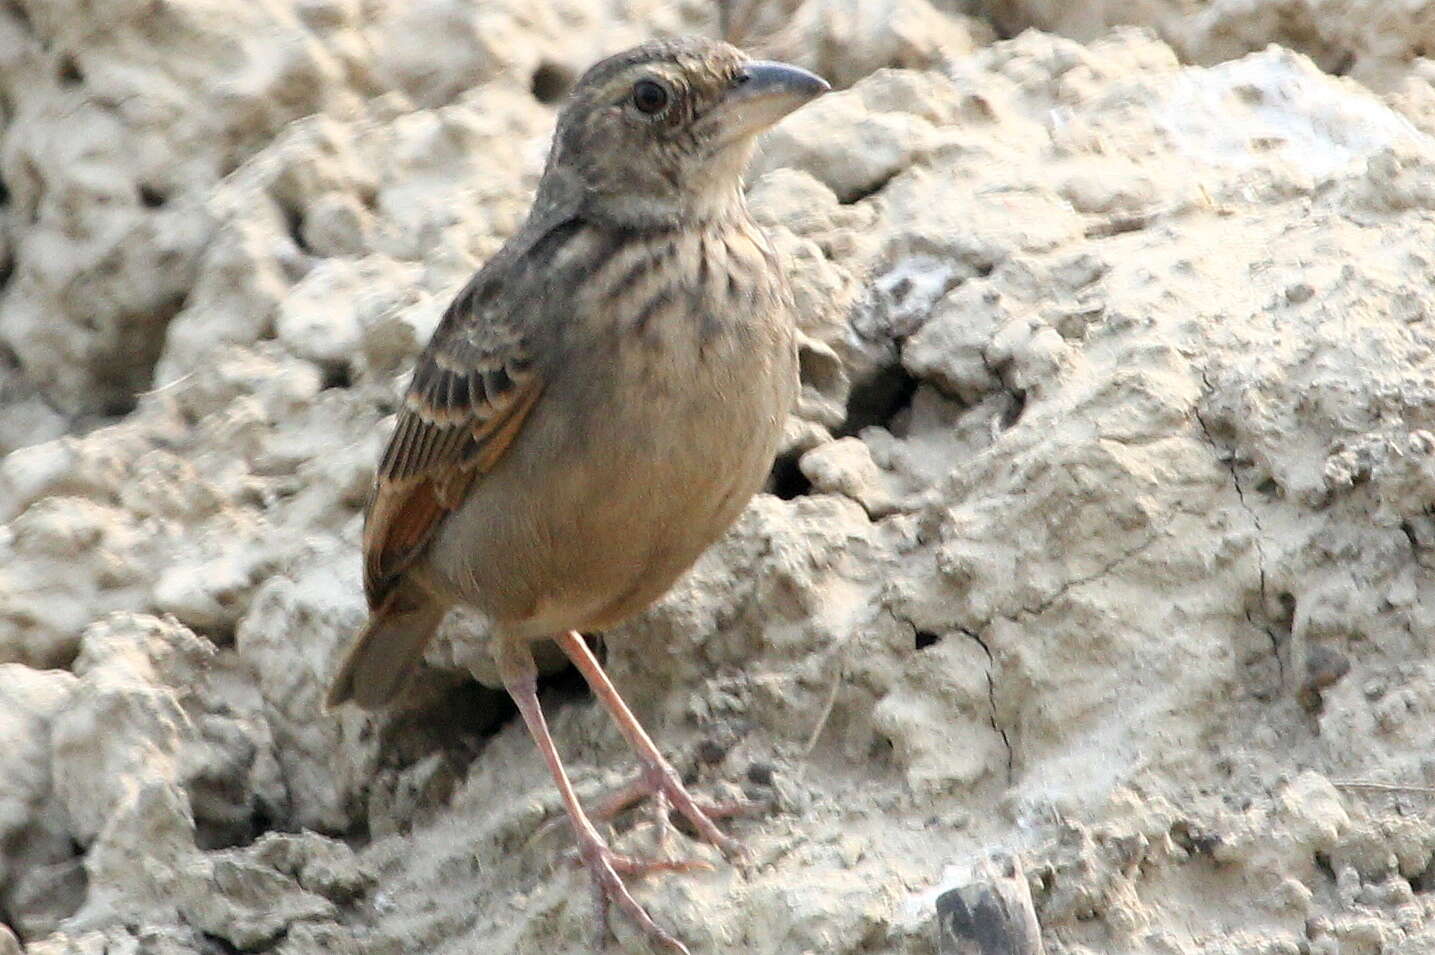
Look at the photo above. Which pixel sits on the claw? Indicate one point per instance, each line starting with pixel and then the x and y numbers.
pixel 603 865
pixel 661 782
pixel 633 866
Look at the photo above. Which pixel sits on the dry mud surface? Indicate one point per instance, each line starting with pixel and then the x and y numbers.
pixel 1104 534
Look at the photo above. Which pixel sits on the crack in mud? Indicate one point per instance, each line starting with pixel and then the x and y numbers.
pixel 1228 458
pixel 1066 588
pixel 992 703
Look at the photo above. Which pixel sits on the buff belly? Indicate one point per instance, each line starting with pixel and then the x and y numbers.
pixel 655 480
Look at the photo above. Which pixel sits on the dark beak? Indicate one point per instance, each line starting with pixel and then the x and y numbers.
pixel 764 93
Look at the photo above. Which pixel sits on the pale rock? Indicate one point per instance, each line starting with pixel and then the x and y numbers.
pixel 320 289
pixel 846 467
pixel 41 878
pixel 436 49
pixel 292 637
pixel 944 692
pixel 28 419
pixel 1109 187
pixel 29 473
pixel 44 605
pixel 846 40
pixel 89 943
pixel 114 140
pixel 249 904
pixel 794 199
pixel 950 349
pixel 852 151
pixel 337 225
pixel 1373 41
pixel 317 320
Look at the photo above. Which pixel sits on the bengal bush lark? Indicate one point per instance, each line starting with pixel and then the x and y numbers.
pixel 597 405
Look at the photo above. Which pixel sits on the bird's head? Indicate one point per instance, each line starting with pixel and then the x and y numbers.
pixel 660 134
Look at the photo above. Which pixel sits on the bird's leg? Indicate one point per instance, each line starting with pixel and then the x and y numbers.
pixel 520 678
pixel 657 774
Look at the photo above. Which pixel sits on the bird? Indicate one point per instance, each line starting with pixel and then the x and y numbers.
pixel 595 408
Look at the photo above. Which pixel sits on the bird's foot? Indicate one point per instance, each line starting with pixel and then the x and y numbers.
pixel 662 783
pixel 607 868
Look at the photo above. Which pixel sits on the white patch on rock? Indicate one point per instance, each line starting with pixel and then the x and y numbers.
pixel 1276 103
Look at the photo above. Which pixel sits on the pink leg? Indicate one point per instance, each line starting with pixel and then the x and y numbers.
pixel 520 678
pixel 658 775
pixel 637 789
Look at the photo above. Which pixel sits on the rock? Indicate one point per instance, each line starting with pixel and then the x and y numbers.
pixel 991 916
pixel 1372 41
pixel 116 199
pixel 250 905
pixel 876 146
pixel 846 467
pixel 291 640
pixel 38 875
pixel 949 349
pixel 28 419
pixel 846 40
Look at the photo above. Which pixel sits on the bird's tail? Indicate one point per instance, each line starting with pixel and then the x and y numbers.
pixel 381 658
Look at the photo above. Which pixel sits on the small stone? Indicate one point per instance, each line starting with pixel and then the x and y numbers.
pixel 1324 667
pixel 711 750
pixel 761 774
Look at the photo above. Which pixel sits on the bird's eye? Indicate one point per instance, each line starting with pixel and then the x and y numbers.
pixel 649 97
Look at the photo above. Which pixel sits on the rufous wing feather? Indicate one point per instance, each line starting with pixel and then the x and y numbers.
pixel 471 393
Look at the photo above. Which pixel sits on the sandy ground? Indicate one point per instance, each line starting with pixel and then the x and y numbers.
pixel 1104 533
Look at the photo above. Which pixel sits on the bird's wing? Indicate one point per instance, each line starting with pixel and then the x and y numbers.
pixel 472 390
